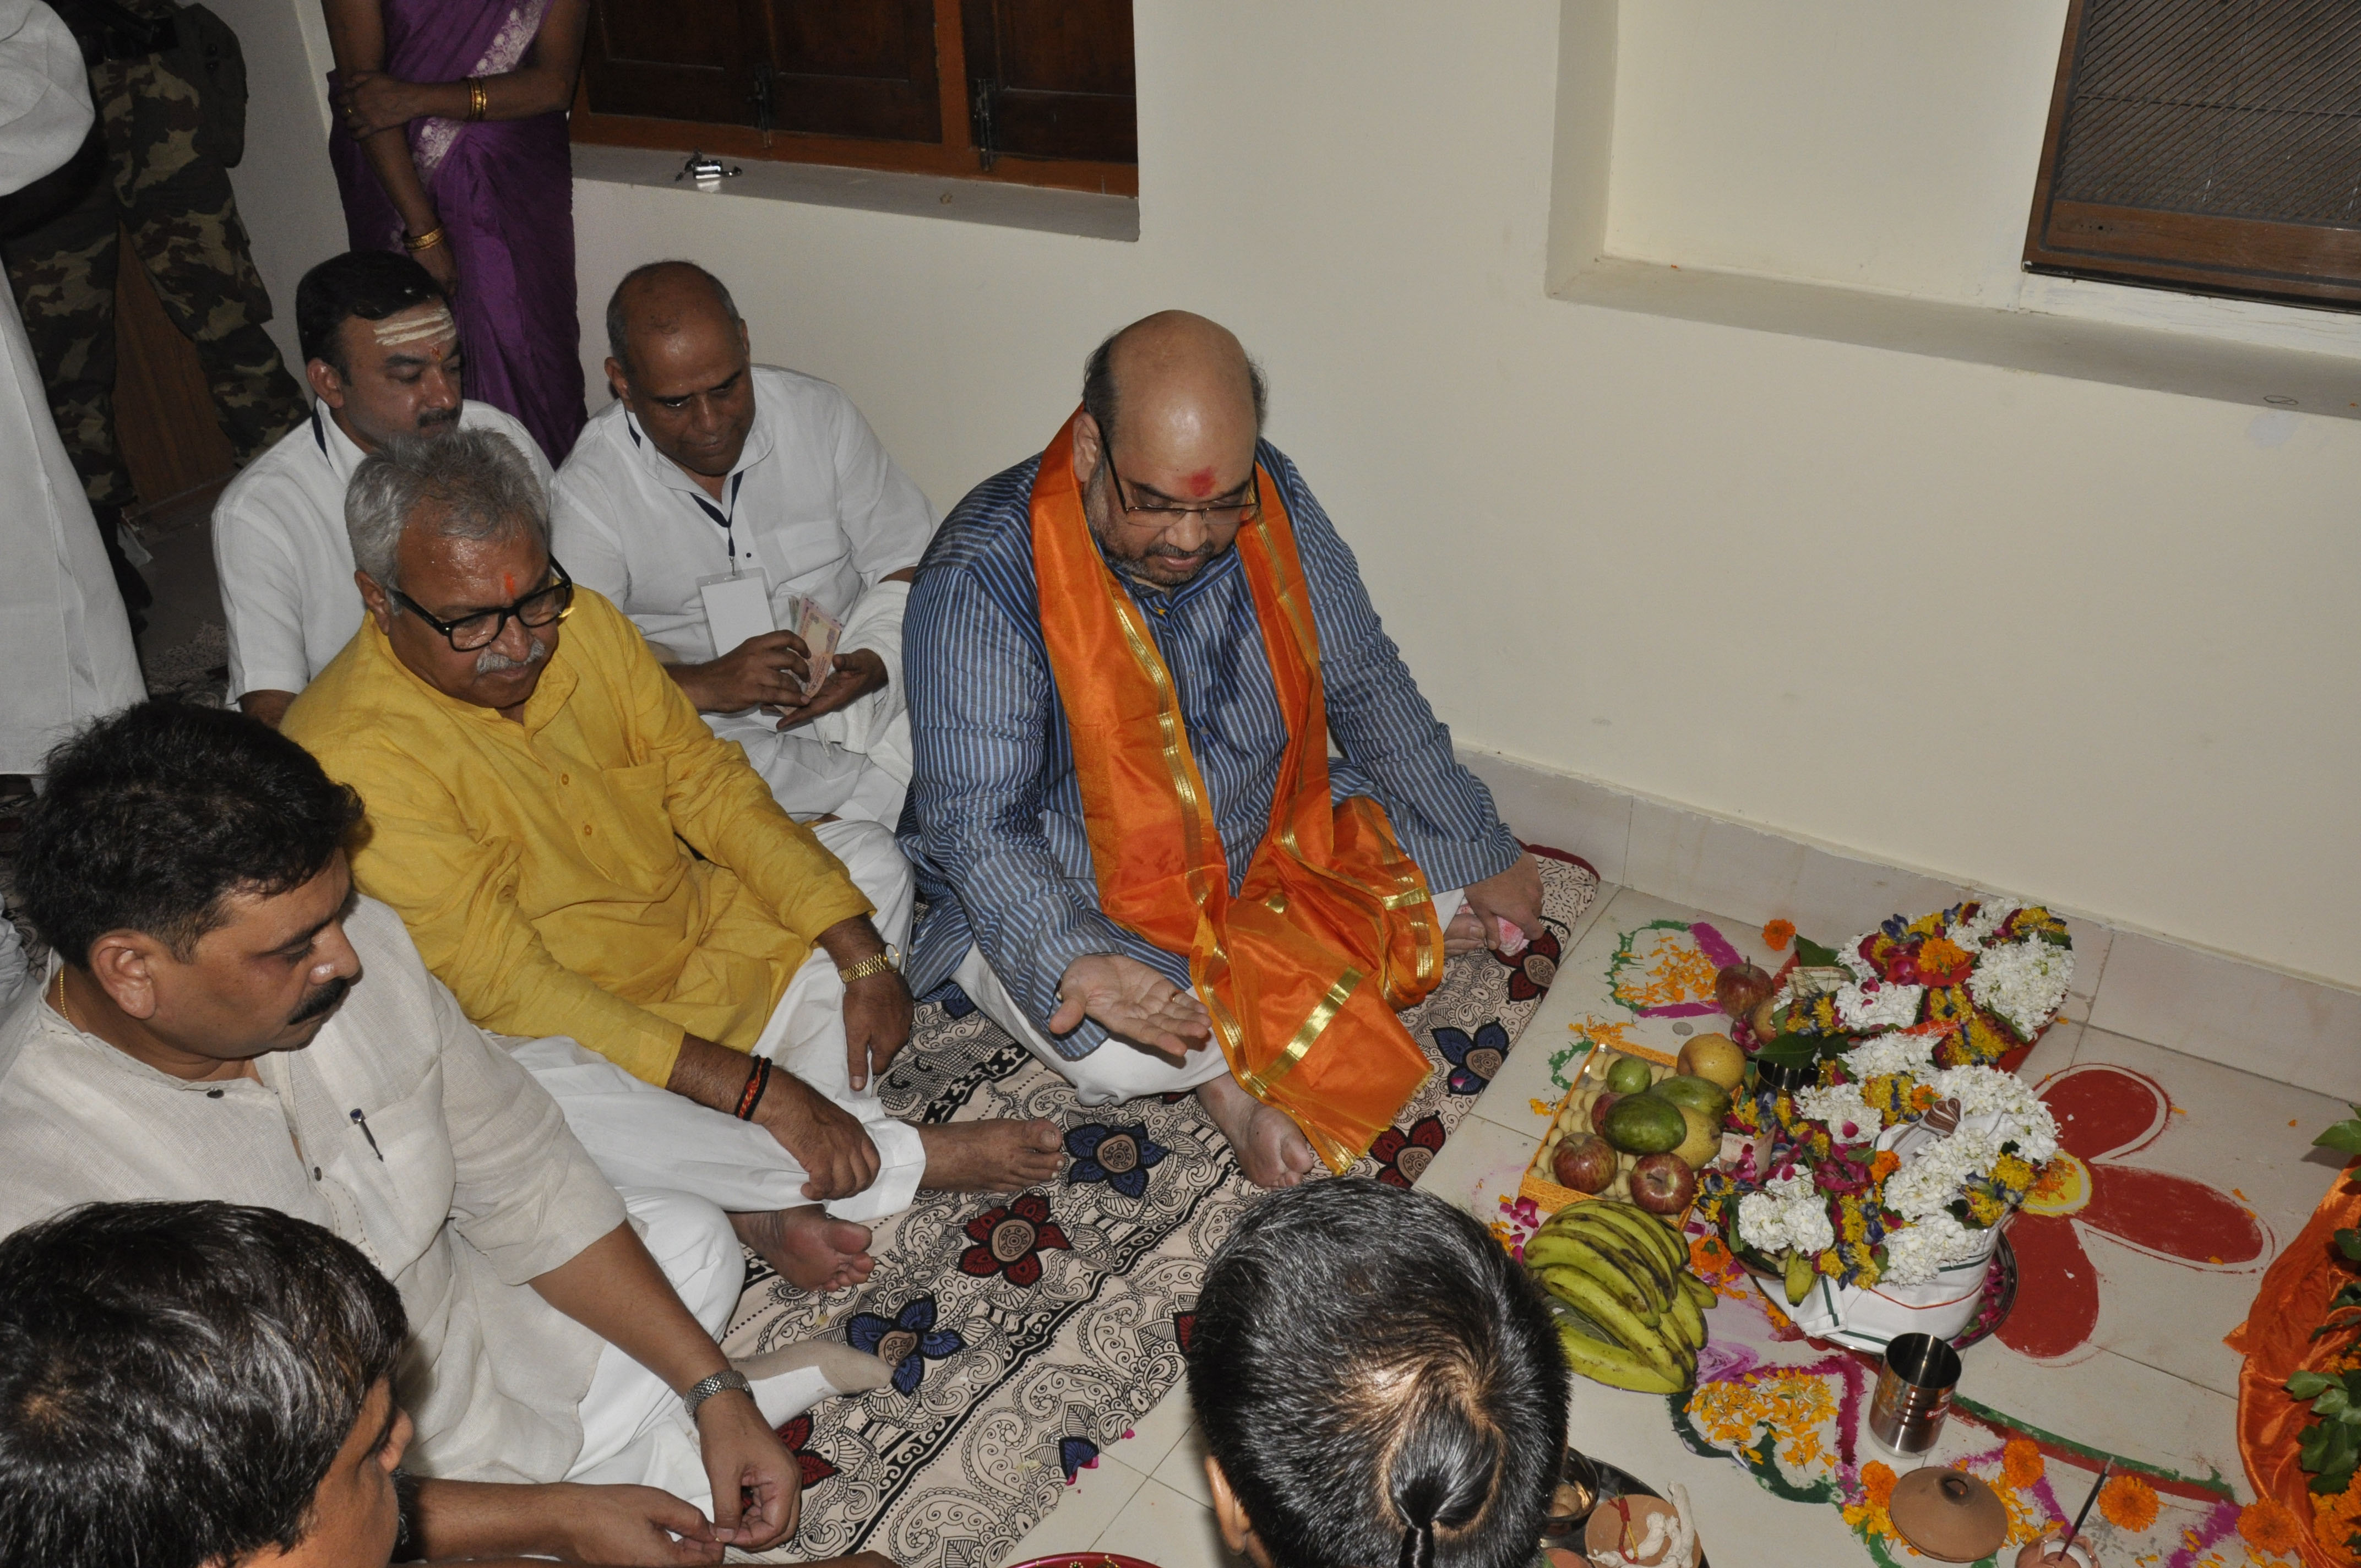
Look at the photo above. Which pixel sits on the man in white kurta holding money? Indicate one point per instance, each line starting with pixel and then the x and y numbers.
pixel 740 514
pixel 64 639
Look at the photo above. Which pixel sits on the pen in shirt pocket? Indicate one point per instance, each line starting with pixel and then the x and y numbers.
pixel 362 1123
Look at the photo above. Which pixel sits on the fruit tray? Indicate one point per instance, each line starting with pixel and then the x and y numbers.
pixel 1573 1115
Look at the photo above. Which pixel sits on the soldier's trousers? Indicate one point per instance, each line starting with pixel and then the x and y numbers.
pixel 185 231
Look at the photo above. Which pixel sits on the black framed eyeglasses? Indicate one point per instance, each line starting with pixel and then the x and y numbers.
pixel 1226 514
pixel 483 628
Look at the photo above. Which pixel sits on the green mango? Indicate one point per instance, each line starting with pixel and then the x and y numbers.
pixel 1642 1123
pixel 1697 1093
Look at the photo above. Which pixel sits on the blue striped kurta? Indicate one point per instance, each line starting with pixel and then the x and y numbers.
pixel 994 825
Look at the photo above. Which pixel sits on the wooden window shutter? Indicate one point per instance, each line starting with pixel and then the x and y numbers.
pixel 674 62
pixel 1052 78
pixel 856 67
pixel 2207 145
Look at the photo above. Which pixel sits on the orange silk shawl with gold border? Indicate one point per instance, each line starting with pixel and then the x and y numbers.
pixel 1332 930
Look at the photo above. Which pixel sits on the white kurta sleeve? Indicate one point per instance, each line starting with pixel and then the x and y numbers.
pixel 262 598
pixel 44 93
pixel 881 509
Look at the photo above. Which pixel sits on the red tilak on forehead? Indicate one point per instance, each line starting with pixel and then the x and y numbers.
pixel 508 584
pixel 1200 483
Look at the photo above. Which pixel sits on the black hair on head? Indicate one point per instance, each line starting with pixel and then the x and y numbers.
pixel 1380 1384
pixel 150 819
pixel 369 285
pixel 176 1379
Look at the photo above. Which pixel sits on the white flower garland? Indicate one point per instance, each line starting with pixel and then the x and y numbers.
pixel 1916 1254
pixel 1839 1107
pixel 1989 917
pixel 1890 1006
pixel 1887 1055
pixel 1933 1178
pixel 2022 983
pixel 1787 1213
pixel 2022 1118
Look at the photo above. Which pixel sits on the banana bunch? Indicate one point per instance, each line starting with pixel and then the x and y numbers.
pixel 1630 1314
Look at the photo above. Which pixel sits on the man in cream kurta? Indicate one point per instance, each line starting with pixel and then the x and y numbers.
pixel 708 463
pixel 465 1185
pixel 64 638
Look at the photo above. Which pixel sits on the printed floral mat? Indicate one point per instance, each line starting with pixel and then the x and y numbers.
pixel 1026 1334
pixel 1789 1411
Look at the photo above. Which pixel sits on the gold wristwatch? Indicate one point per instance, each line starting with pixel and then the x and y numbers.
pixel 877 963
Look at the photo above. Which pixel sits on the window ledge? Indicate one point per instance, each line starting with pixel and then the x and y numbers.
pixel 1003 205
pixel 2082 349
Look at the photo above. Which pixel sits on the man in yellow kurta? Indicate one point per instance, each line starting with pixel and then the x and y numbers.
pixel 577 855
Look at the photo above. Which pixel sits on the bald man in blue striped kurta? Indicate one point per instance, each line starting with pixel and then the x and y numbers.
pixel 995 825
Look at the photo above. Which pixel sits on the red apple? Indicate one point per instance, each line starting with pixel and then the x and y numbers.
pixel 1585 1163
pixel 1599 1109
pixel 1663 1183
pixel 1741 988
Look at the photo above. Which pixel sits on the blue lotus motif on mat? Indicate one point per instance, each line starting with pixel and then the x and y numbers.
pixel 907 1341
pixel 1473 1059
pixel 1076 1455
pixel 1120 1157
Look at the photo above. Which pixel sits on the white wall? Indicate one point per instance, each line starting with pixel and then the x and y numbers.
pixel 286 192
pixel 2048 636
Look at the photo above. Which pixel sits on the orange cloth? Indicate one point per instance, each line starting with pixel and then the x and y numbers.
pixel 2275 1339
pixel 1332 929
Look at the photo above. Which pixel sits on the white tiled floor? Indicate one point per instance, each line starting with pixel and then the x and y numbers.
pixel 2156 1382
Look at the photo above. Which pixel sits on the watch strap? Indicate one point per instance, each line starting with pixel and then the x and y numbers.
pixel 729 1377
pixel 877 963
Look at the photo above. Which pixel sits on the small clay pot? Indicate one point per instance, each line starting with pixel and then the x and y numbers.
pixel 2045 1554
pixel 1606 1527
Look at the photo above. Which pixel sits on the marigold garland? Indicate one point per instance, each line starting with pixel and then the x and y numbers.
pixel 2267 1525
pixel 2335 1515
pixel 2021 1463
pixel 2128 1501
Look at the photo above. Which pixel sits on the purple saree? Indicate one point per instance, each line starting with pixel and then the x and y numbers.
pixel 505 192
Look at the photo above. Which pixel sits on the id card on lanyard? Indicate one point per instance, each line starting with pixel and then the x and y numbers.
pixel 738 601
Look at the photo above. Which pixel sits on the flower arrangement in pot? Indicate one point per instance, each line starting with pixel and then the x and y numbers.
pixel 1878 1193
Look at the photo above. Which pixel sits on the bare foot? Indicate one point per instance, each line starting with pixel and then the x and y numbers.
pixel 990 1157
pixel 1272 1150
pixel 1465 934
pixel 809 1249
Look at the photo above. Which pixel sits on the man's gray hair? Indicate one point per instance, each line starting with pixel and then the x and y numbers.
pixel 469 484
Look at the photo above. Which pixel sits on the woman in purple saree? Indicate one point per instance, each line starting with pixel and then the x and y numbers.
pixel 451 143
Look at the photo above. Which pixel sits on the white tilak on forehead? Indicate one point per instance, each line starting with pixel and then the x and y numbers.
pixel 437 323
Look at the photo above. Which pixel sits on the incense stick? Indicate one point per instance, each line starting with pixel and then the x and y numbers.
pixel 2075 1529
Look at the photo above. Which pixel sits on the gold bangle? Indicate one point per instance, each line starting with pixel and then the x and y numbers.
pixel 414 242
pixel 877 963
pixel 479 98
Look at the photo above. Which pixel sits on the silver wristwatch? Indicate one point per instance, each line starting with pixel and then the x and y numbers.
pixel 729 1377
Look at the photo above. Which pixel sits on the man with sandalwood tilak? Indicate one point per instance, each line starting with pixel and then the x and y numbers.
pixel 1128 659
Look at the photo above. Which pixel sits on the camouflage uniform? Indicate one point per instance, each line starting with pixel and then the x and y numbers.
pixel 175 204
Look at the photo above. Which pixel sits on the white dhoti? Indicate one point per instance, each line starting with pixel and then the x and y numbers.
pixel 635 1430
pixel 1115 1071
pixel 877 867
pixel 643 1137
